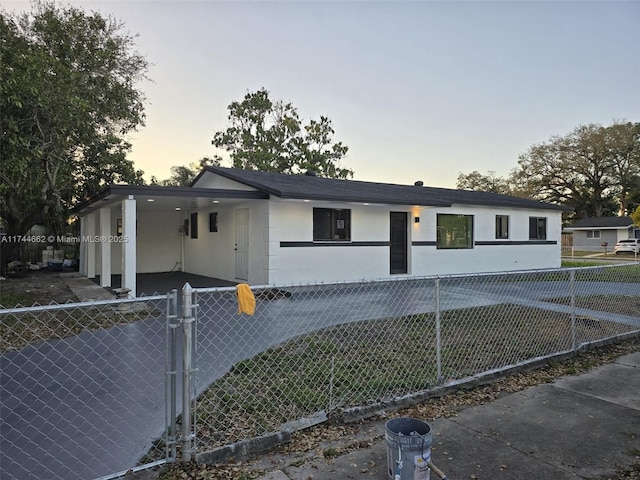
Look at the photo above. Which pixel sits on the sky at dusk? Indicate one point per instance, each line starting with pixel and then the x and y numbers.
pixel 418 90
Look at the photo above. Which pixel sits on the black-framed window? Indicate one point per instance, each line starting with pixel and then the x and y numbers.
pixel 194 225
pixel 331 224
pixel 213 222
pixel 593 233
pixel 537 228
pixel 454 231
pixel 502 226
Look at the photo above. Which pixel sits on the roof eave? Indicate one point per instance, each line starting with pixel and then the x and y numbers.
pixel 161 191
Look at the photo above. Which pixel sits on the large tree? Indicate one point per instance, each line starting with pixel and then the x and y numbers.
pixel 592 169
pixel 623 142
pixel 68 97
pixel 270 136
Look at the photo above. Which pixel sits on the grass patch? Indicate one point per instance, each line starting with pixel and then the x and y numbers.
pixel 20 329
pixel 375 361
pixel 584 272
pixel 617 274
pixel 567 252
pixel 12 298
pixel 579 264
pixel 619 304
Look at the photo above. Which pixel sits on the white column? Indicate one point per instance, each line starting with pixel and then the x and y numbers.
pixel 83 247
pixel 129 245
pixel 91 245
pixel 105 247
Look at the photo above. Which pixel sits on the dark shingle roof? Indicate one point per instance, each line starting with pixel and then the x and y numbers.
pixel 602 222
pixel 318 188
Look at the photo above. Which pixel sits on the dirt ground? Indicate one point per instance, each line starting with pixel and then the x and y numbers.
pixel 34 287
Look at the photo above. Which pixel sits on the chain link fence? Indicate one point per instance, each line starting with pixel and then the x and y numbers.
pixel 82 388
pixel 90 390
pixel 314 351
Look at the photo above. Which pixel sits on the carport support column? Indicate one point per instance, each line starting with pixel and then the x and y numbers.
pixel 91 245
pixel 105 247
pixel 129 245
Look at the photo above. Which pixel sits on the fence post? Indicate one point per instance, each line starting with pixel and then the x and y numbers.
pixel 438 339
pixel 171 373
pixel 572 288
pixel 187 370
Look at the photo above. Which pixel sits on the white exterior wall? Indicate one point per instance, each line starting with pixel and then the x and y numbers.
pixel 429 260
pixel 292 221
pixel 213 253
pixel 159 242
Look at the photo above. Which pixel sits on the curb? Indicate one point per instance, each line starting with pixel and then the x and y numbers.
pixel 244 448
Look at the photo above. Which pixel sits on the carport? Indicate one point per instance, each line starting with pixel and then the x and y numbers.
pixel 114 223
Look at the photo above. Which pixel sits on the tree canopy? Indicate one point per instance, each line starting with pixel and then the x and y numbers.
pixel 593 169
pixel 183 175
pixel 269 135
pixel 68 97
pixel 486 183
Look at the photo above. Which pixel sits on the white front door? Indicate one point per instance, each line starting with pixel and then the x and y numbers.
pixel 242 244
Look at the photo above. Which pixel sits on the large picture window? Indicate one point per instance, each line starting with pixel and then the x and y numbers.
pixel 454 231
pixel 502 226
pixel 331 225
pixel 537 228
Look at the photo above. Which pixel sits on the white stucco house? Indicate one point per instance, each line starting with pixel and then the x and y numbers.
pixel 269 228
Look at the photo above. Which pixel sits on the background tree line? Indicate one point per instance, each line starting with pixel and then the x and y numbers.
pixel 594 169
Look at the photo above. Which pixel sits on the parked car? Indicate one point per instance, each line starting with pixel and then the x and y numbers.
pixel 632 245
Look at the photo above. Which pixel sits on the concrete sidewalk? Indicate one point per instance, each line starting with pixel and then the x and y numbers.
pixel 581 426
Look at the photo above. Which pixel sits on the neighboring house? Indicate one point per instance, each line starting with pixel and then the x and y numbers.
pixel 591 233
pixel 269 228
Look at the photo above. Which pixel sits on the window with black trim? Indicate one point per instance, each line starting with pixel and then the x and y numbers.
pixel 331 225
pixel 213 222
pixel 194 225
pixel 454 231
pixel 537 228
pixel 593 233
pixel 502 226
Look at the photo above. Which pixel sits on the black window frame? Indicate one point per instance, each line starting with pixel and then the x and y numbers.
pixel 535 226
pixel 441 233
pixel 502 226
pixel 194 225
pixel 331 224
pixel 213 221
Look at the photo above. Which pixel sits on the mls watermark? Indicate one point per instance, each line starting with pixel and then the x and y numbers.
pixel 63 239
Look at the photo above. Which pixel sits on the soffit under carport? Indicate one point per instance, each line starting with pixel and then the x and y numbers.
pixel 155 199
